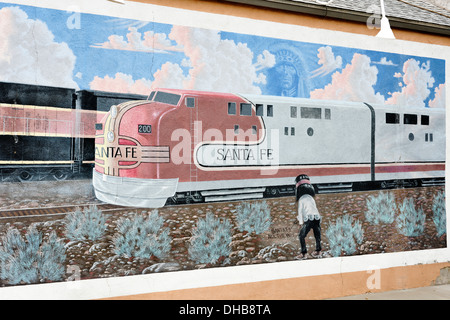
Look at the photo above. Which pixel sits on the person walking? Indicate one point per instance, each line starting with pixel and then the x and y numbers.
pixel 308 215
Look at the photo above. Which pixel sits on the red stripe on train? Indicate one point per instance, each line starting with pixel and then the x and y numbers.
pixel 273 172
pixel 409 168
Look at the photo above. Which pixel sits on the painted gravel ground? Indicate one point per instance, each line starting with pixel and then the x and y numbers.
pixel 87 259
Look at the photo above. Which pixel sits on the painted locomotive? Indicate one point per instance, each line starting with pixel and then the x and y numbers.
pixel 48 132
pixel 188 146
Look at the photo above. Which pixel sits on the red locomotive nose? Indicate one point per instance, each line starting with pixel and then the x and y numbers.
pixel 127 154
pixel 129 139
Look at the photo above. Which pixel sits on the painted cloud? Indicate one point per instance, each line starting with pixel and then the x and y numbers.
pixel 357 80
pixel 29 53
pixel 121 82
pixel 417 81
pixel 220 65
pixel 439 98
pixel 384 61
pixel 214 64
pixel 150 42
pixel 354 83
pixel 328 62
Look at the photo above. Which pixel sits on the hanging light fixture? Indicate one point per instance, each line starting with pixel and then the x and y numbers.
pixel 386 31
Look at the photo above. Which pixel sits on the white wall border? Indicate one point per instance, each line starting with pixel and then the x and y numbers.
pixel 131 285
pixel 167 281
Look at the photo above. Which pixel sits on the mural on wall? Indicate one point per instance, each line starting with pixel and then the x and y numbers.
pixel 113 60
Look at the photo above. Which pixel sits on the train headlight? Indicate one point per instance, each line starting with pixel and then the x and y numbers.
pixel 113 111
pixel 110 136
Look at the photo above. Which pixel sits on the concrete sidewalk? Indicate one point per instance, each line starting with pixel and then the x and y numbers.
pixel 437 292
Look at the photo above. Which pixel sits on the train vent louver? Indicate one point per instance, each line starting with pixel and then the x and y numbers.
pixel 233 194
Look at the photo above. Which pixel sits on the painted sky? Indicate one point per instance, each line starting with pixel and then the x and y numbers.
pixel 86 51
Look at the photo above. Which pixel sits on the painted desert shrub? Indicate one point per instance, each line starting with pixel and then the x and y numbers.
pixel 410 221
pixel 88 224
pixel 29 259
pixel 142 236
pixel 439 215
pixel 210 240
pixel 381 208
pixel 253 217
pixel 344 235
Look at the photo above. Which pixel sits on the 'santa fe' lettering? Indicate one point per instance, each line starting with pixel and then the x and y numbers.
pixel 224 154
pixel 116 152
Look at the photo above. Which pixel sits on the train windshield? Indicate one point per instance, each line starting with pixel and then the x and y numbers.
pixel 165 97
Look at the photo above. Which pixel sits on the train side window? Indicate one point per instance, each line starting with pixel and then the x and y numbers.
pixel 259 110
pixel 232 108
pixel 246 109
pixel 410 119
pixel 426 137
pixel 392 118
pixel 293 112
pixel 286 131
pixel 431 137
pixel 236 129
pixel 311 113
pixel 425 120
pixel 270 110
pixel 292 131
pixel 254 130
pixel 190 102
pixel 328 114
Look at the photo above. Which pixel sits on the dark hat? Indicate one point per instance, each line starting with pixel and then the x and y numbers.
pixel 302 179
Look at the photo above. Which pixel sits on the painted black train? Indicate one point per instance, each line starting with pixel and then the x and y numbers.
pixel 48 132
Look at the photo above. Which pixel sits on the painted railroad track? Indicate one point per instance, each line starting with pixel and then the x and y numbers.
pixel 51 211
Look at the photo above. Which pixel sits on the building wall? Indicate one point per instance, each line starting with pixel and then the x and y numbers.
pixel 299 19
